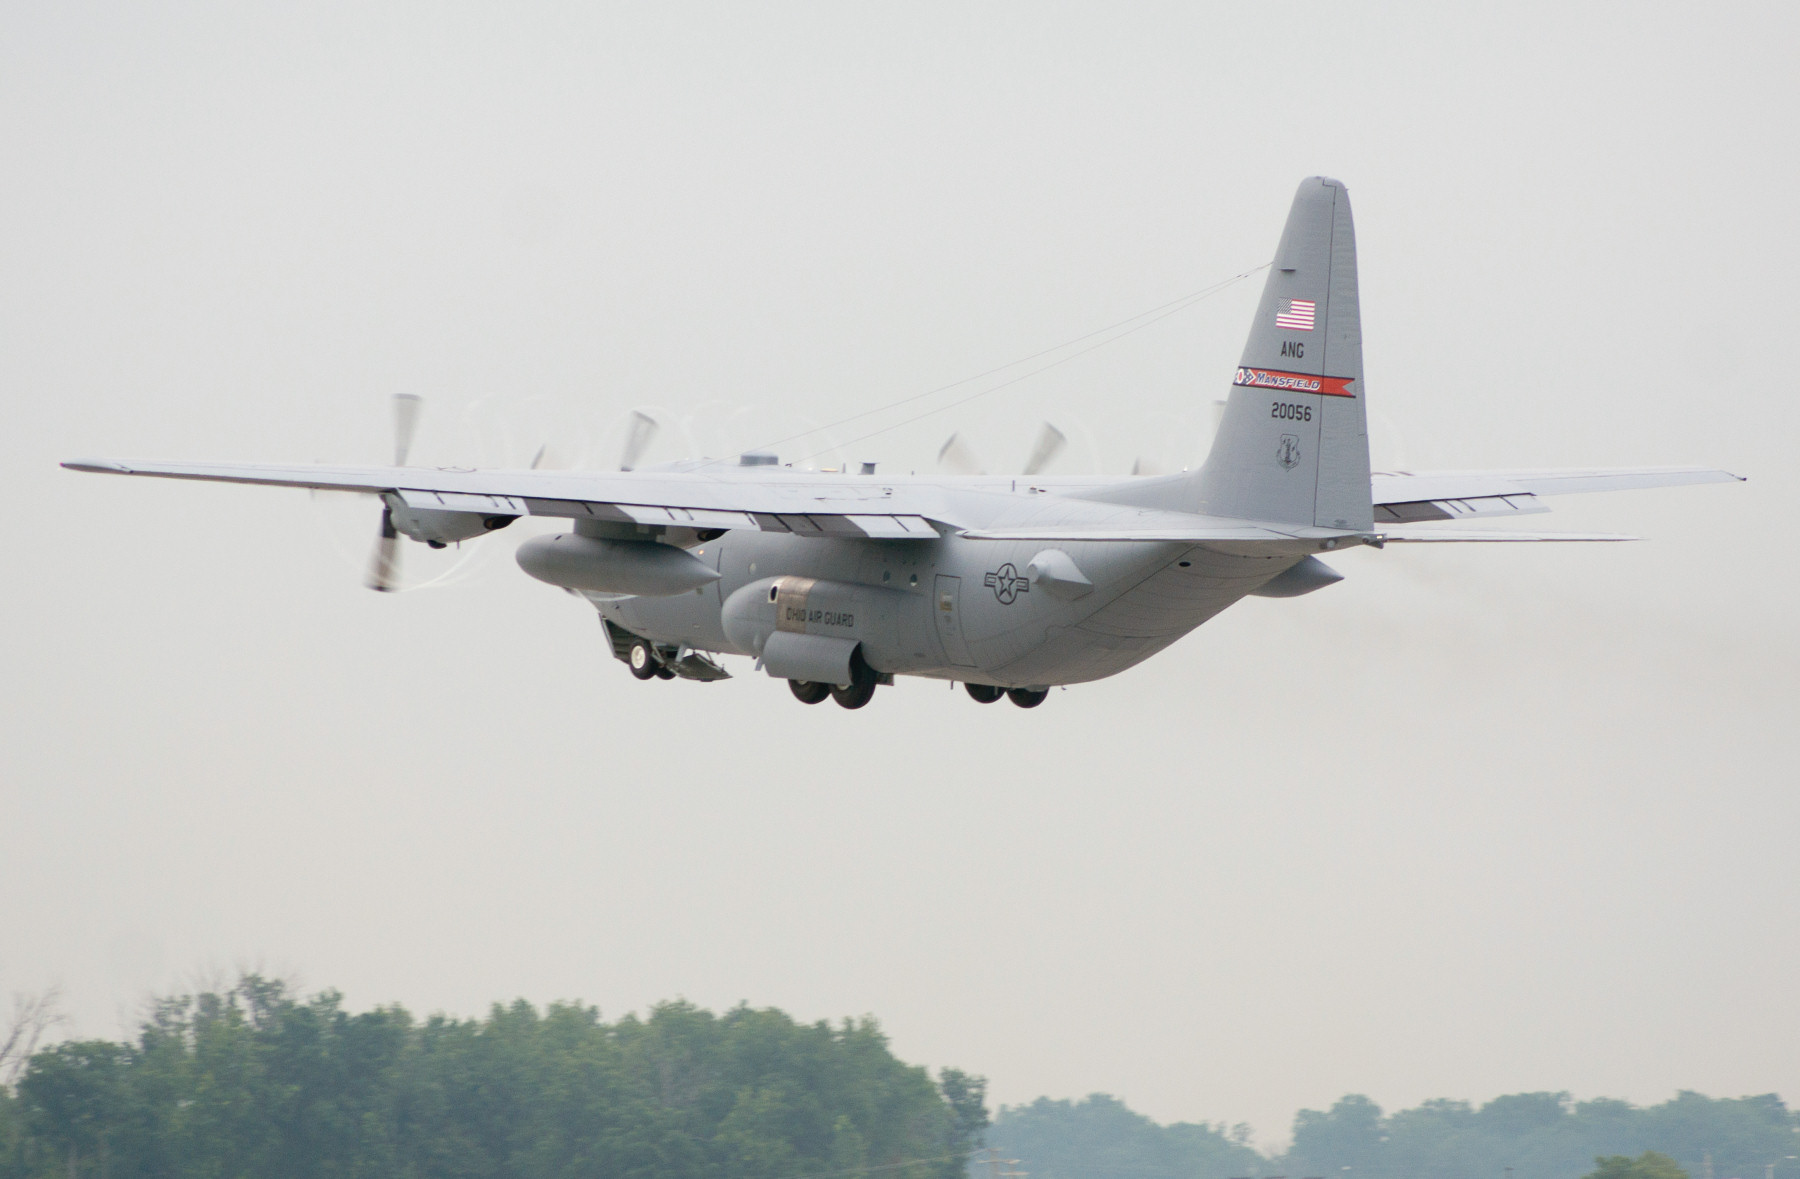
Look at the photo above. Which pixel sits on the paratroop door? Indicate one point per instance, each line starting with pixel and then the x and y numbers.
pixel 947 609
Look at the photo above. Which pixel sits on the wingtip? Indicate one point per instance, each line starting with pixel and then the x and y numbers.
pixel 97 466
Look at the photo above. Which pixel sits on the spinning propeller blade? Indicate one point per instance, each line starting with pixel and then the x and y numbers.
pixel 958 457
pixel 1050 443
pixel 406 422
pixel 384 566
pixel 637 438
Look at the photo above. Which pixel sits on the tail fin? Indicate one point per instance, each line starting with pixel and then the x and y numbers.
pixel 1293 446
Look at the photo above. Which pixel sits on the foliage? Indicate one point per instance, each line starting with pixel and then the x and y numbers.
pixel 1649 1165
pixel 1100 1137
pixel 1541 1136
pixel 1530 1135
pixel 255 1082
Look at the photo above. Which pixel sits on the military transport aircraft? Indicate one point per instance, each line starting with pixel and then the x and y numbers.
pixel 839 582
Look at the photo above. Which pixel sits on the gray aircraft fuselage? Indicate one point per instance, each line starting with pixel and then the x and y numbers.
pixel 959 609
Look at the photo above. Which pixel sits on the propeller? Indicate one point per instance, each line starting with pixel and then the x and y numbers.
pixel 638 434
pixel 1049 444
pixel 958 457
pixel 384 567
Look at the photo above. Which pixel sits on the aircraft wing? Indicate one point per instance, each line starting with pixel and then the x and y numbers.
pixel 806 504
pixel 864 506
pixel 1404 497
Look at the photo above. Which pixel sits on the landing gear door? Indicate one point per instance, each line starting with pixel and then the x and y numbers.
pixel 946 607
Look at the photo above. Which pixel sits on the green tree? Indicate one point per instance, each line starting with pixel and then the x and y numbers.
pixel 1100 1136
pixel 966 1097
pixel 257 1082
pixel 1649 1165
pixel 74 1096
pixel 1349 1134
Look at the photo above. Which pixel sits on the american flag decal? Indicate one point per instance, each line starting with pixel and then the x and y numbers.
pixel 1298 316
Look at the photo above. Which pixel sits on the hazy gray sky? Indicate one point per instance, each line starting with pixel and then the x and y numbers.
pixel 1472 822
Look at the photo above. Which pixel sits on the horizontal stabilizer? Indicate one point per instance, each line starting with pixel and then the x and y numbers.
pixel 1430 534
pixel 1406 497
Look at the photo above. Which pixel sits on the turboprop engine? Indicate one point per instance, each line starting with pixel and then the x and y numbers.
pixel 439 527
pixel 644 568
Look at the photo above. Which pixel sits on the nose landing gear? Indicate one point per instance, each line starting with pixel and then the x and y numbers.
pixel 643 661
pixel 983 693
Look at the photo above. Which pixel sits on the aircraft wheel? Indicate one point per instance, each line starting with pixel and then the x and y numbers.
pixel 663 673
pixel 809 692
pixel 861 688
pixel 1028 697
pixel 642 660
pixel 983 693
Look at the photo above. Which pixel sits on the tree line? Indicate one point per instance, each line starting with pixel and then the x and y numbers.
pixel 254 1081
pixel 1519 1136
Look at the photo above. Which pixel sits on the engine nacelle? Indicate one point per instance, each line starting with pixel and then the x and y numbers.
pixel 438 527
pixel 642 568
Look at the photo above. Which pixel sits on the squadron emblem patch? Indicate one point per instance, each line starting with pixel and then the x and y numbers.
pixel 1288 453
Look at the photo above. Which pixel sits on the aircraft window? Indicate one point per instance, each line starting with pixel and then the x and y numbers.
pixel 913 580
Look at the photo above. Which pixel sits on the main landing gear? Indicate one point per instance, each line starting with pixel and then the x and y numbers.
pixel 1023 697
pixel 808 692
pixel 858 692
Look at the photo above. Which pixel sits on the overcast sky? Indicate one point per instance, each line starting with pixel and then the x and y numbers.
pixel 1476 820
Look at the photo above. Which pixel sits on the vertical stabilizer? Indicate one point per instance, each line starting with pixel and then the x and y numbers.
pixel 1293 446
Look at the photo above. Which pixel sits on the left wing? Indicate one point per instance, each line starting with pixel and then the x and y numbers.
pixel 721 497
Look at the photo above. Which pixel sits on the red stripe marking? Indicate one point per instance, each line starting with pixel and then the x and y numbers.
pixel 1268 378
